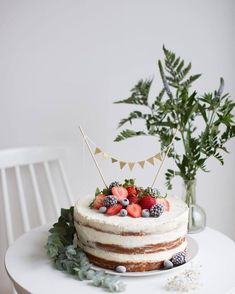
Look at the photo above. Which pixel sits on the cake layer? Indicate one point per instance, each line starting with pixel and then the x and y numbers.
pixel 168 222
pixel 150 248
pixel 140 244
pixel 87 234
pixel 130 266
pixel 121 258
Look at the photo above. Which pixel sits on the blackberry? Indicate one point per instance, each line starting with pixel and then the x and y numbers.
pixel 110 201
pixel 152 191
pixel 113 184
pixel 178 258
pixel 156 210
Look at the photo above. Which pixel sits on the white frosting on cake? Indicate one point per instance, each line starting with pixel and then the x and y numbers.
pixel 94 228
pixel 167 222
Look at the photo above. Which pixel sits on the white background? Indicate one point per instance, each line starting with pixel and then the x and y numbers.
pixel 64 63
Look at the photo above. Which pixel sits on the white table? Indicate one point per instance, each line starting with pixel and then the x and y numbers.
pixel 31 270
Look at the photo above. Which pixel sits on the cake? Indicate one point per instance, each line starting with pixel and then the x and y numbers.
pixel 130 227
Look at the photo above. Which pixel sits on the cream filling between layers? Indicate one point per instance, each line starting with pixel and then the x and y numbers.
pixel 119 257
pixel 87 234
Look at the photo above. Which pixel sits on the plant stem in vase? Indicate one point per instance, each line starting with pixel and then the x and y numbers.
pixel 197 216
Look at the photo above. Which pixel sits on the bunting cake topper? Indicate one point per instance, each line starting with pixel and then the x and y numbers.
pixel 130 164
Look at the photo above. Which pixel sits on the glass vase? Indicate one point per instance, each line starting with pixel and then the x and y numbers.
pixel 197 216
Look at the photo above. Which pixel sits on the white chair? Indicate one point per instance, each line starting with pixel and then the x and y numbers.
pixel 34 175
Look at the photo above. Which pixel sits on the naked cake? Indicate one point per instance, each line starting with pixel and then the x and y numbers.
pixel 131 227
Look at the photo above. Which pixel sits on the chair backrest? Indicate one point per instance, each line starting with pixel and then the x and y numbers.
pixel 48 159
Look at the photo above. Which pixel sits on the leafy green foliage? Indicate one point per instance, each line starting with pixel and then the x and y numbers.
pixel 128 134
pixel 176 106
pixel 139 94
pixel 72 259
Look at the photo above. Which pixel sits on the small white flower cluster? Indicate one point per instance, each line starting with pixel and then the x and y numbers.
pixel 185 281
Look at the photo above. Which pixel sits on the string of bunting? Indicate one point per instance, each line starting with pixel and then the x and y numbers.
pixel 122 163
pixel 131 164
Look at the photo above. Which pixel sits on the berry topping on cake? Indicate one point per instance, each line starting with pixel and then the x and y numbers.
pixel 134 210
pixel 120 192
pixel 123 212
pixel 99 201
pixel 156 210
pixel 129 199
pixel 115 209
pixel 102 209
pixel 125 202
pixel 131 191
pixel 110 201
pixel 133 199
pixel 113 184
pixel 147 202
pixel 164 202
pixel 179 258
pixel 145 213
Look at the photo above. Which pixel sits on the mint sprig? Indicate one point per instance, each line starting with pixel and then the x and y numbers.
pixel 69 258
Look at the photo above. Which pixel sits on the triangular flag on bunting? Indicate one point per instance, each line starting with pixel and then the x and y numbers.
pixel 131 165
pixel 105 155
pixel 97 150
pixel 122 164
pixel 158 156
pixel 113 160
pixel 151 160
pixel 141 163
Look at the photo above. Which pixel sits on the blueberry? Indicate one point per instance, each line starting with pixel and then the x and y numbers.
pixel 168 264
pixel 102 209
pixel 145 213
pixel 123 212
pixel 125 202
pixel 120 269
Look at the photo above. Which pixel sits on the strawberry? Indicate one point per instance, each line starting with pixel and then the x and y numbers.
pixel 115 209
pixel 147 202
pixel 164 202
pixel 134 210
pixel 133 199
pixel 120 192
pixel 98 202
pixel 131 191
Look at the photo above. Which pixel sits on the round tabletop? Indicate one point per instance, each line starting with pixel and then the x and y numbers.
pixel 29 267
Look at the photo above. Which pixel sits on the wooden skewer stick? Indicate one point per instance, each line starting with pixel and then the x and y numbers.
pixel 93 157
pixel 163 160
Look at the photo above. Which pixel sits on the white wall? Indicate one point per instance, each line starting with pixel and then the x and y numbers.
pixel 63 63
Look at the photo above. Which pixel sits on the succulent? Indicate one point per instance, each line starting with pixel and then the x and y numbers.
pixel 110 200
pixel 156 210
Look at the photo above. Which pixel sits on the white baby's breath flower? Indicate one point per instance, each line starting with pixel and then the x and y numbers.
pixel 185 281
